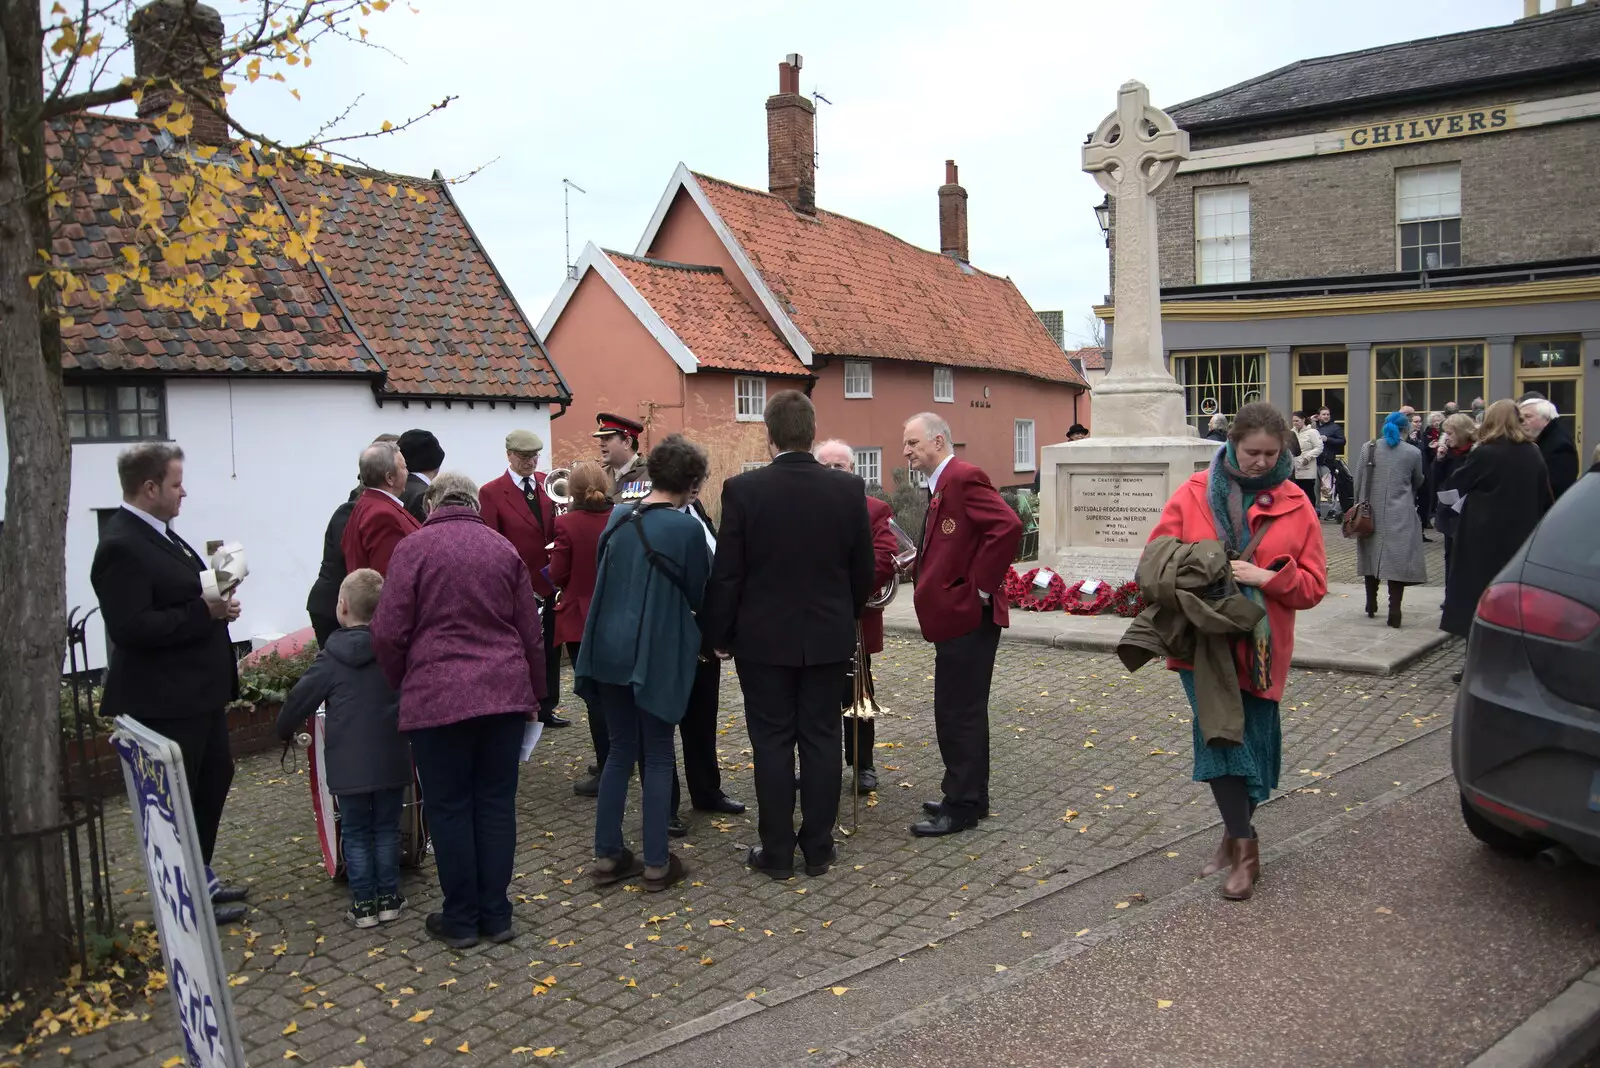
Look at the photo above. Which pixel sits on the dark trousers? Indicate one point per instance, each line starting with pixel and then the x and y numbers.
pixel 322 626
pixel 369 834
pixel 699 733
pixel 469 777
pixel 787 708
pixel 858 732
pixel 962 670
pixel 597 720
pixel 1309 485
pixel 207 765
pixel 552 661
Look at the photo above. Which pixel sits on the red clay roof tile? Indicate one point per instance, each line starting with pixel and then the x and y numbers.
pixel 855 290
pixel 711 317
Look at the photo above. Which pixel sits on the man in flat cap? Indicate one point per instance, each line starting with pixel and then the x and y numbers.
pixel 424 456
pixel 619 451
pixel 516 505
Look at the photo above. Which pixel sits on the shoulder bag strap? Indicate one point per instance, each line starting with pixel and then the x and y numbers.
pixel 1372 467
pixel 657 561
pixel 1255 539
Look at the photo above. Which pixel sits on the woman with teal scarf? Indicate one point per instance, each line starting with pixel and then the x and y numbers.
pixel 1248 487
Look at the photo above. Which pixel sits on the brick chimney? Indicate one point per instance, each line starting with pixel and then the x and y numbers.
pixel 174 42
pixel 791 141
pixel 952 215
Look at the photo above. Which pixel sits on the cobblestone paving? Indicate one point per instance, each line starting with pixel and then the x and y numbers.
pixel 1089 763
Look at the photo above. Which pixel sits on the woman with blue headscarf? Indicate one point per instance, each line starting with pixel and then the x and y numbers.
pixel 1388 473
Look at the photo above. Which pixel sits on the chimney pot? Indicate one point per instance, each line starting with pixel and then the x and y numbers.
pixel 791 141
pixel 952 215
pixel 174 42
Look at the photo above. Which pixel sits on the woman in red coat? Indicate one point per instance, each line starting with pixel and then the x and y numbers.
pixel 572 571
pixel 1248 484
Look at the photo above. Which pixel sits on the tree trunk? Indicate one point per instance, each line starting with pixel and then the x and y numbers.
pixel 35 931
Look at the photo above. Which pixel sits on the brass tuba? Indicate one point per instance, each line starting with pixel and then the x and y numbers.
pixel 556 487
pixel 905 559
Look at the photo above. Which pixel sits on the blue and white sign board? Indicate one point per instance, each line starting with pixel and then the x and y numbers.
pixel 158 790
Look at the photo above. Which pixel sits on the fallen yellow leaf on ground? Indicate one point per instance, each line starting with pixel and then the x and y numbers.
pixel 464 1048
pixel 1163 1003
pixel 292 1028
pixel 838 991
pixel 420 1015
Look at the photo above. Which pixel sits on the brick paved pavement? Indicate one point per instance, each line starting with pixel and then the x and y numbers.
pixel 1073 736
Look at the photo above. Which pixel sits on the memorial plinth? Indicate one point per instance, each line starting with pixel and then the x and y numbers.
pixel 1100 497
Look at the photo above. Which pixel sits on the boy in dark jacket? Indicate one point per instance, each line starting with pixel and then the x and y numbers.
pixel 368 759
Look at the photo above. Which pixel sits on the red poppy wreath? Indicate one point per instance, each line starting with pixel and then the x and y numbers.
pixel 1080 605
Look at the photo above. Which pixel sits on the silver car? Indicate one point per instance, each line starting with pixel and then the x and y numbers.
pixel 1526 743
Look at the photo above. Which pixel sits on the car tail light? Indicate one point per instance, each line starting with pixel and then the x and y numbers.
pixel 1537 611
pixel 1508 812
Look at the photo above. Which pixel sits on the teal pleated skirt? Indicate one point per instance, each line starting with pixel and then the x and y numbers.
pixel 1258 761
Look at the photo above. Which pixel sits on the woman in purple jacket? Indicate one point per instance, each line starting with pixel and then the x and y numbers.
pixel 457 633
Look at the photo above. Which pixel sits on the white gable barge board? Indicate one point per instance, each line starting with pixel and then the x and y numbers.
pixel 1529 113
pixel 266 463
pixel 595 259
pixel 684 179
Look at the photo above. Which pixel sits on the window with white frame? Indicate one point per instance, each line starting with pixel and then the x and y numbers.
pixel 869 465
pixel 1427 215
pixel 857 379
pixel 1222 234
pixel 749 398
pixel 944 385
pixel 1022 441
pixel 917 478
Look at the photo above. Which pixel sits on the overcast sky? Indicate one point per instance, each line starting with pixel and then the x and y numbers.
pixel 613 95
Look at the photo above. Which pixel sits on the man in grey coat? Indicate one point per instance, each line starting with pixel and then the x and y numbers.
pixel 1388 472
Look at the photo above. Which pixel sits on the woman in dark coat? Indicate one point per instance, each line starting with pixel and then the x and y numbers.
pixel 1454 446
pixel 1507 492
pixel 572 572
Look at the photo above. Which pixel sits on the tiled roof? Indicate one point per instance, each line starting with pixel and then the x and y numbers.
pixel 855 290
pixel 301 328
pixel 421 289
pixel 1542 48
pixel 1091 359
pixel 711 317
pixel 427 313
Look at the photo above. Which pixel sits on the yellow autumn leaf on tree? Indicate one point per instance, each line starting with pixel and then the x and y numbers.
pixel 387 126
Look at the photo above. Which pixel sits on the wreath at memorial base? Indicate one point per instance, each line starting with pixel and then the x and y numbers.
pixel 1014 587
pixel 1127 601
pixel 1054 596
pixel 1076 605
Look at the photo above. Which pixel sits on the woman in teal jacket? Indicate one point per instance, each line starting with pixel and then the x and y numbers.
pixel 637 661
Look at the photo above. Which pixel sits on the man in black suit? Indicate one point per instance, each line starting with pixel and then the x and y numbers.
pixel 424 456
pixel 1542 421
pixel 793 570
pixel 324 595
pixel 172 666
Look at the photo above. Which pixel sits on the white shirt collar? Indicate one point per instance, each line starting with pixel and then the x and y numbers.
pixel 426 481
pixel 532 479
pixel 160 527
pixel 711 542
pixel 389 495
pixel 933 479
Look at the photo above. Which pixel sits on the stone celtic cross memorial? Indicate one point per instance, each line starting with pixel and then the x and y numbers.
pixel 1100 497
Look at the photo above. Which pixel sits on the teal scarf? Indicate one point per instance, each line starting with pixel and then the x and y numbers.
pixel 1230 493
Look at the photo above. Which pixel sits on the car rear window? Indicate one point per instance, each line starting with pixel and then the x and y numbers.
pixel 1566 539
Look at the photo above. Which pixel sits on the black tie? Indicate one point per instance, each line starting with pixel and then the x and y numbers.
pixel 527 488
pixel 172 536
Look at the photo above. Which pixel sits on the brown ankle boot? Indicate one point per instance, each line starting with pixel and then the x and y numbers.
pixel 1219 860
pixel 1241 881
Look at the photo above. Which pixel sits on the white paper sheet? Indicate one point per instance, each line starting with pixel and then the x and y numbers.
pixel 1452 499
pixel 530 738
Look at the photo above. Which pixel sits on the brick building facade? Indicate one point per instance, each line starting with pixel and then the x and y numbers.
pixel 1408 224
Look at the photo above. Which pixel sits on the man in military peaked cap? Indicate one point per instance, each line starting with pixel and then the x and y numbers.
pixel 619 450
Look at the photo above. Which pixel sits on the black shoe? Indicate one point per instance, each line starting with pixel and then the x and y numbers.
pixel 623 866
pixel 723 804
pixel 226 914
pixel 1394 616
pixel 822 866
pixel 589 787
pixel 677 828
pixel 502 936
pixel 435 926
pixel 942 824
pixel 227 895
pixel 758 860
pixel 866 781
pixel 553 720
pixel 1455 677
pixel 592 769
pixel 1426 538
pixel 933 808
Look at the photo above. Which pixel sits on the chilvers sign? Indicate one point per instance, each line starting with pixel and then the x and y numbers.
pixel 1430 128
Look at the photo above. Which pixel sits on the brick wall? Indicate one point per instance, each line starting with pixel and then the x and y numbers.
pixel 1526 194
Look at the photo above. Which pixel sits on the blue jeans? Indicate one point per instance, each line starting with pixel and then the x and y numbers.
pixel 369 831
pixel 629 727
pixel 469 789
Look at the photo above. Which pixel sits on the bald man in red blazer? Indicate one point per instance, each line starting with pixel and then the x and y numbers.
pixel 969 539
pixel 379 520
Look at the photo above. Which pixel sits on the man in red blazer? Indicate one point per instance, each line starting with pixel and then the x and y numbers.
pixel 379 520
pixel 969 538
pixel 516 505
pixel 863 735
